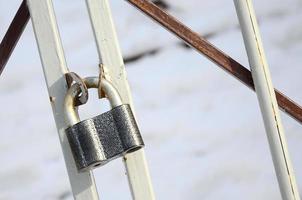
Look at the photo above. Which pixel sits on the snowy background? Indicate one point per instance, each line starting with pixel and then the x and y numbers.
pixel 203 130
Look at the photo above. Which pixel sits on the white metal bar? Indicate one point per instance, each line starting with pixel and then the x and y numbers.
pixel 54 66
pixel 267 99
pixel 114 70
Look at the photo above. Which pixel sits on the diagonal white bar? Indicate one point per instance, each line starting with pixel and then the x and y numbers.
pixel 267 99
pixel 54 66
pixel 114 70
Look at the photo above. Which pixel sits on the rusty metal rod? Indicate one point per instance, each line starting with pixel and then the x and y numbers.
pixel 13 34
pixel 214 54
pixel 190 37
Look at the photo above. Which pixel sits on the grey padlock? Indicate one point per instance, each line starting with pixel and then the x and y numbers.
pixel 97 140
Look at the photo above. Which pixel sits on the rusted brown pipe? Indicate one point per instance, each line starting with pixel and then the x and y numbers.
pixel 214 54
pixel 13 34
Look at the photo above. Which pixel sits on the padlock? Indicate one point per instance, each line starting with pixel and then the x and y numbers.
pixel 96 141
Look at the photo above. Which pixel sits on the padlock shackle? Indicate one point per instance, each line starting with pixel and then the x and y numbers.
pixel 107 87
pixel 71 114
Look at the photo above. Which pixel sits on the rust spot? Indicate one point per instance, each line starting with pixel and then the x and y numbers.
pixel 101 93
pixel 52 99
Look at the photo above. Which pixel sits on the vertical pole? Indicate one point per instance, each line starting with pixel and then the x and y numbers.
pixel 267 99
pixel 113 69
pixel 54 66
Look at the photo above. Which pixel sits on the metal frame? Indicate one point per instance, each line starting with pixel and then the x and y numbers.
pixel 54 66
pixel 113 69
pixel 267 99
pixel 201 45
pixel 193 39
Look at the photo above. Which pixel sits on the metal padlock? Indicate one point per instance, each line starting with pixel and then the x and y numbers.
pixel 97 140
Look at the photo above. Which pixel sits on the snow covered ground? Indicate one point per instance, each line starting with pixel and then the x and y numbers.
pixel 203 130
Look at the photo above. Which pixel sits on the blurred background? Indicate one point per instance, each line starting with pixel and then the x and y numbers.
pixel 203 129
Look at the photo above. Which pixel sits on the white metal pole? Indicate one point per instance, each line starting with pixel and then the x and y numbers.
pixel 267 99
pixel 54 66
pixel 114 70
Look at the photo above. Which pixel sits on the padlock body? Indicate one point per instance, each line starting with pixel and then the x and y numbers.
pixel 96 141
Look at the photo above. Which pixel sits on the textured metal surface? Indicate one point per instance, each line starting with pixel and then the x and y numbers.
pixel 96 141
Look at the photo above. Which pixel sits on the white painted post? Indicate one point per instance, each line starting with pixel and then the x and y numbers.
pixel 54 66
pixel 114 70
pixel 267 99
